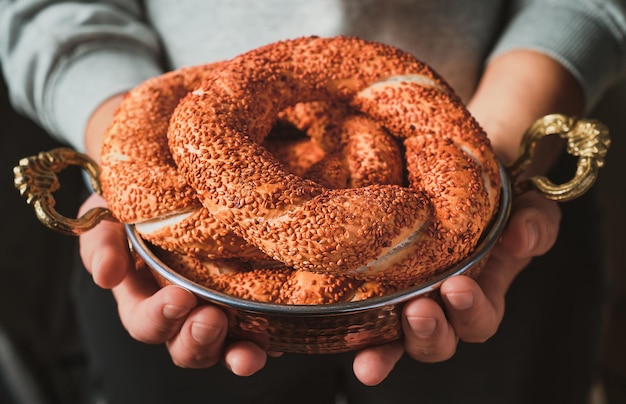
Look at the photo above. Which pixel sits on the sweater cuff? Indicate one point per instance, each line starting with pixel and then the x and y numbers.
pixel 87 80
pixel 589 50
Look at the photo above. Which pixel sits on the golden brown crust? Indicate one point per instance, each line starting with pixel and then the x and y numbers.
pixel 305 225
pixel 281 284
pixel 343 214
pixel 141 182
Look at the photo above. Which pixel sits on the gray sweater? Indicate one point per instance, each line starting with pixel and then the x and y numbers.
pixel 62 59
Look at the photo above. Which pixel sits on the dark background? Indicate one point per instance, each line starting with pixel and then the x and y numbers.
pixel 40 354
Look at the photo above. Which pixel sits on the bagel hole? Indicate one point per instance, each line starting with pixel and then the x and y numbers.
pixel 284 131
pixel 291 147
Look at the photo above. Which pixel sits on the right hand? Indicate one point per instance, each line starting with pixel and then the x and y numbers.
pixel 193 333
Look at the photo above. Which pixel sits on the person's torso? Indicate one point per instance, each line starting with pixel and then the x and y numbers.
pixel 453 36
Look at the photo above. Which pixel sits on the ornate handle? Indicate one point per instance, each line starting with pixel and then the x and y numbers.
pixel 35 177
pixel 587 139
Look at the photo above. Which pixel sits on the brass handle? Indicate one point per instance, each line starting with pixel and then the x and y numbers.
pixel 35 177
pixel 587 139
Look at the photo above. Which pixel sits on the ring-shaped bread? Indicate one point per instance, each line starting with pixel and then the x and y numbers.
pixel 142 185
pixel 401 235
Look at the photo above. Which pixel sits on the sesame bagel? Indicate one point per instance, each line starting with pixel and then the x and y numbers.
pixel 282 285
pixel 141 183
pixel 397 234
pixel 143 187
pixel 343 149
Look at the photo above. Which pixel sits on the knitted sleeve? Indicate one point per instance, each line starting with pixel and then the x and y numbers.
pixel 62 59
pixel 588 37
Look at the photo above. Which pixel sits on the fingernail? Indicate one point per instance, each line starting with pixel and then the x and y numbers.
pixel 461 300
pixel 533 232
pixel 174 312
pixel 204 334
pixel 423 326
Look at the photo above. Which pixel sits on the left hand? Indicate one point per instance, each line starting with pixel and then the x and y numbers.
pixel 473 307
pixel 194 334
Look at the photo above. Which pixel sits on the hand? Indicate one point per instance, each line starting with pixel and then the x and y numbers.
pixel 473 307
pixel 194 334
pixel 516 88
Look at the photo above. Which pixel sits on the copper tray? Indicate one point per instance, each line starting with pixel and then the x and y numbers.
pixel 337 327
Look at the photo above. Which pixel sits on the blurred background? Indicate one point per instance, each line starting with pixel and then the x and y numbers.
pixel 611 188
pixel 41 359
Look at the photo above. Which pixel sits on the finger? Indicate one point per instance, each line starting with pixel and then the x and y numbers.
pixel 533 226
pixel 474 315
pixel 531 231
pixel 428 337
pixel 244 358
pixel 104 249
pixel 149 314
pixel 200 342
pixel 475 308
pixel 372 365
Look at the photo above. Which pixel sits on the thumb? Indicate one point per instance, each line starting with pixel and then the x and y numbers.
pixel 533 227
